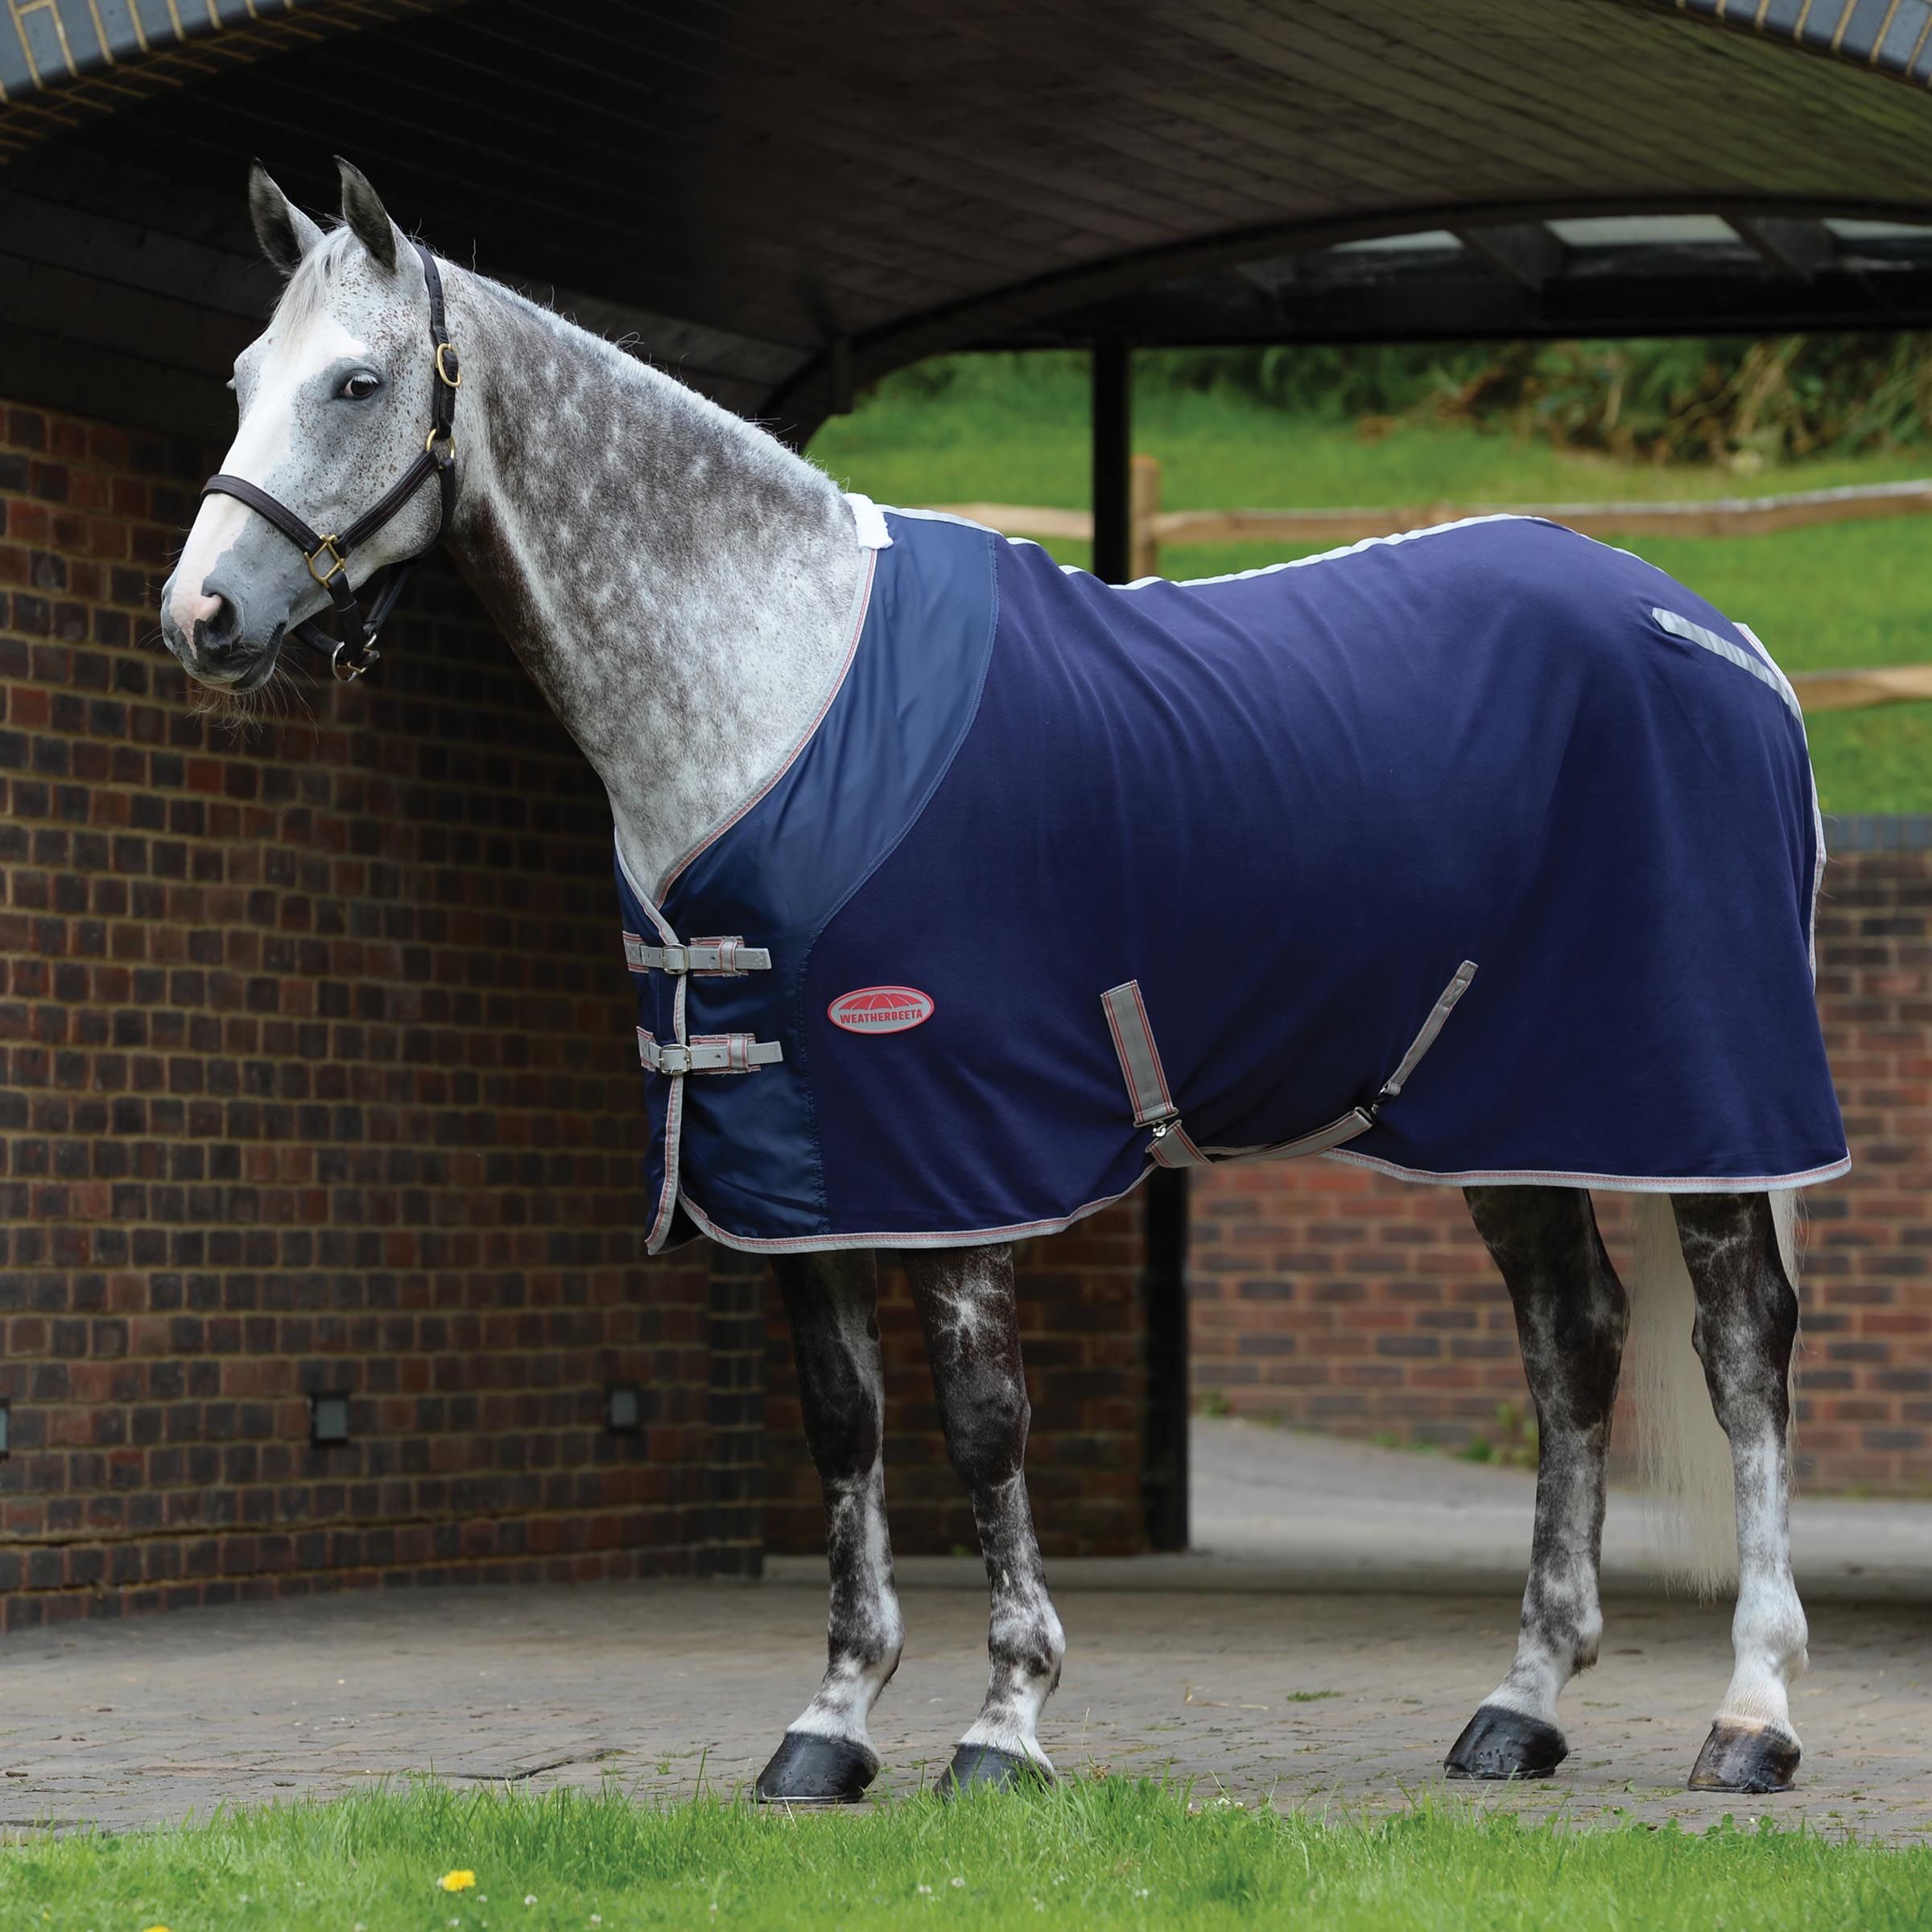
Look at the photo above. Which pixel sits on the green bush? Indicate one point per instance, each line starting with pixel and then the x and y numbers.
pixel 1732 400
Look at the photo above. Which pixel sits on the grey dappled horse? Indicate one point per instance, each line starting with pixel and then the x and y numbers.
pixel 679 585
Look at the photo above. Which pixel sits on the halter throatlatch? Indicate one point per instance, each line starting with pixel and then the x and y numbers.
pixel 327 557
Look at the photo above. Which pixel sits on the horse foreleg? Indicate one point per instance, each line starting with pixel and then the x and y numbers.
pixel 1571 1314
pixel 965 1300
pixel 1745 1330
pixel 831 1303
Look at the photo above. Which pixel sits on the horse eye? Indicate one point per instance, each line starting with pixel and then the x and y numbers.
pixel 360 387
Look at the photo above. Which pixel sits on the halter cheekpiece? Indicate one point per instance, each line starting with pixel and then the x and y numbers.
pixel 327 557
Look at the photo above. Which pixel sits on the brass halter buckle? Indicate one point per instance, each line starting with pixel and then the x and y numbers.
pixel 455 363
pixel 337 563
pixel 348 669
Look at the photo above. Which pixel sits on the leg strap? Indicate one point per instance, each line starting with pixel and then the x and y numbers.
pixel 1147 1084
pixel 1153 1105
pixel 1438 1014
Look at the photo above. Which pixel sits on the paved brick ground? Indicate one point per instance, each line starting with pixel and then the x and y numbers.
pixel 1206 1667
pixel 1324 1700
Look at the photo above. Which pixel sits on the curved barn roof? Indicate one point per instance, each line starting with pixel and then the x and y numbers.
pixel 785 200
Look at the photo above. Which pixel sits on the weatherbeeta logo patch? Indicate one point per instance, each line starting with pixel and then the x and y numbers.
pixel 880 1009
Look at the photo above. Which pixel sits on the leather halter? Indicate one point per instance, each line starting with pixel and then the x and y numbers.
pixel 327 557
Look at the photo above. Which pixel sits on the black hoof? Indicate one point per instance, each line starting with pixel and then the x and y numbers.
pixel 1499 1743
pixel 807 1769
pixel 1745 1757
pixel 975 1765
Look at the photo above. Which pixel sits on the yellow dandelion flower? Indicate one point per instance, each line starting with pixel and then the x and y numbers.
pixel 457 1881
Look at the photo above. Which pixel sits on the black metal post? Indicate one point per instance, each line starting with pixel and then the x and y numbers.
pixel 1113 462
pixel 1164 1310
pixel 1164 1273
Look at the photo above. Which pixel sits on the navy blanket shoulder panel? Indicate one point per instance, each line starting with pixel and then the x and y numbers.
pixel 748 1147
pixel 1288 805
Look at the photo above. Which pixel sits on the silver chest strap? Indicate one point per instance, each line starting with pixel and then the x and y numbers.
pixel 729 959
pixel 725 959
pixel 708 1053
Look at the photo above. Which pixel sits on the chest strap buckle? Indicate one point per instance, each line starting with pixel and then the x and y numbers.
pixel 708 1053
pixel 728 959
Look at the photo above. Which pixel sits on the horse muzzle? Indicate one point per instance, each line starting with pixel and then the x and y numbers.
pixel 209 632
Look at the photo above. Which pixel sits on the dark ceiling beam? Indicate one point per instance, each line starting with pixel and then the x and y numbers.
pixel 1792 247
pixel 74 280
pixel 731 231
pixel 64 62
pixel 1686 292
pixel 54 371
pixel 1526 253
pixel 137 256
pixel 798 405
pixel 1273 278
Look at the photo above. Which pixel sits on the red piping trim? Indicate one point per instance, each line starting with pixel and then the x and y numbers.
pixel 1614 1183
pixel 976 1237
pixel 986 1237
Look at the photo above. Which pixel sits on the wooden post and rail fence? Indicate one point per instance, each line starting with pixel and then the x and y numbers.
pixel 1719 517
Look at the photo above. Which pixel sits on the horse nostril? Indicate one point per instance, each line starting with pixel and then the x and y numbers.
pixel 219 631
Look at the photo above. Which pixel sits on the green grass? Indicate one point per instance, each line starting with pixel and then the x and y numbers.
pixel 1013 430
pixel 1097 1855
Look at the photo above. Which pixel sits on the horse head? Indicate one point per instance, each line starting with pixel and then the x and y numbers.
pixel 337 410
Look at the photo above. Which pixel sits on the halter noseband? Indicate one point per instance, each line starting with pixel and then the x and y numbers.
pixel 327 557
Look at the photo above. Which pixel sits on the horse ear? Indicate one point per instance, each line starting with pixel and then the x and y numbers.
pixel 367 218
pixel 285 232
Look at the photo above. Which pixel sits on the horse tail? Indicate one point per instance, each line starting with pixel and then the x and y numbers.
pixel 1682 1454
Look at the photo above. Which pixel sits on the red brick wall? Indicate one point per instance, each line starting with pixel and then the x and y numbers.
pixel 315 1073
pixel 1866 1386
pixel 1081 1331
pixel 1327 1296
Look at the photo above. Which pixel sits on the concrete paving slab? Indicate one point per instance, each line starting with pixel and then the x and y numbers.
pixel 1280 1510
pixel 1279 1500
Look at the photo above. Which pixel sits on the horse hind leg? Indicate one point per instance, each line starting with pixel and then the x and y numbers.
pixel 832 1304
pixel 966 1306
pixel 1571 1316
pixel 1745 1330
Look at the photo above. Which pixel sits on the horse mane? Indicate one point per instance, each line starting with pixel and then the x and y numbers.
pixel 306 292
